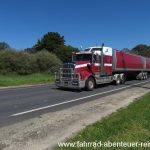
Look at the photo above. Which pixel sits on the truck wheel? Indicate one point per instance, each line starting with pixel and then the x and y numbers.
pixel 90 84
pixel 118 81
pixel 123 79
pixel 146 76
pixel 142 78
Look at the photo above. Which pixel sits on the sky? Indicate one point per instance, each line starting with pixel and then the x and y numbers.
pixel 116 23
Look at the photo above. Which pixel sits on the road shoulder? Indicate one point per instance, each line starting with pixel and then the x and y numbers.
pixel 46 131
pixel 25 86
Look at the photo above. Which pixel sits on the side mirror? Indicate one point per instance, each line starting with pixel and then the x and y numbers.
pixel 89 66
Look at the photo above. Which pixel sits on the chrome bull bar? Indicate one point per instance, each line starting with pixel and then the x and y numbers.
pixel 68 79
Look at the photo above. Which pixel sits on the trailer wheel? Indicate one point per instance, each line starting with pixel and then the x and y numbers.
pixel 90 84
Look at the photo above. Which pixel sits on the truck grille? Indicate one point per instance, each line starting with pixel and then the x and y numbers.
pixel 66 72
pixel 68 65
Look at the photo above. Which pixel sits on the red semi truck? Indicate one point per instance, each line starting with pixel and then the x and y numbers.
pixel 99 65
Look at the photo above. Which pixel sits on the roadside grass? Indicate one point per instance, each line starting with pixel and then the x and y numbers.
pixel 131 124
pixel 13 79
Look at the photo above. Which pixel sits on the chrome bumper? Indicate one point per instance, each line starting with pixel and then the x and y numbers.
pixel 72 80
pixel 70 84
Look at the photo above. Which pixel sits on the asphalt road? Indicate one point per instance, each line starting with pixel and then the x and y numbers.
pixel 19 104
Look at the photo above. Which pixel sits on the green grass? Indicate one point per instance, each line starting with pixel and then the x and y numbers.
pixel 13 79
pixel 131 124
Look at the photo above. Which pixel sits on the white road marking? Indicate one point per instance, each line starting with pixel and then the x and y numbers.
pixel 74 100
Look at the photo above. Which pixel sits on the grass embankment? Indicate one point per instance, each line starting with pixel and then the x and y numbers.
pixel 131 124
pixel 13 79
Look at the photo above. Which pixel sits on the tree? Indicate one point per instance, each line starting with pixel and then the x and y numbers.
pixel 53 42
pixel 4 45
pixel 29 50
pixel 50 41
pixel 125 50
pixel 65 52
pixel 141 49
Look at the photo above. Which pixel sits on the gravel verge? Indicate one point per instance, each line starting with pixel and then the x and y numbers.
pixel 45 131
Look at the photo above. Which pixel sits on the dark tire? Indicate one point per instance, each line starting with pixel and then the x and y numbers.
pixel 118 81
pixel 123 80
pixel 142 78
pixel 146 77
pixel 90 84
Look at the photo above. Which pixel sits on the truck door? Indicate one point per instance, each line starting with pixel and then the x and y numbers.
pixel 95 64
pixel 108 61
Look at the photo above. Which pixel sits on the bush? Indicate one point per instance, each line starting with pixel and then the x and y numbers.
pixel 7 61
pixel 24 63
pixel 47 61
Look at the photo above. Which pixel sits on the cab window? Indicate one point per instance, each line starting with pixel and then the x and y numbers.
pixel 83 57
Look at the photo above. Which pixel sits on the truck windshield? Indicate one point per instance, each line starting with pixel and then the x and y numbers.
pixel 88 49
pixel 83 57
pixel 96 49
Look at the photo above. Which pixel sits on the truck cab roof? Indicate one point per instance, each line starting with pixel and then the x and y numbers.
pixel 84 52
pixel 97 50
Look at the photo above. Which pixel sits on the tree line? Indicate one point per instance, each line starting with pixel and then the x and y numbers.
pixel 45 55
pixel 54 43
pixel 141 49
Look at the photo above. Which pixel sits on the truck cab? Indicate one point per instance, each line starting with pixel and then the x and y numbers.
pixel 89 67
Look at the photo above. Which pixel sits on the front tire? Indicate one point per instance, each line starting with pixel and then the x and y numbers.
pixel 90 84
